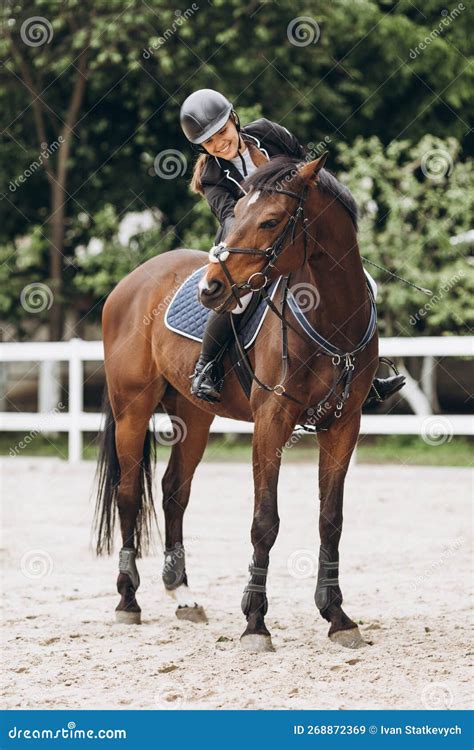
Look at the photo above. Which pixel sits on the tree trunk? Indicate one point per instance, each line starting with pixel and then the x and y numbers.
pixel 56 224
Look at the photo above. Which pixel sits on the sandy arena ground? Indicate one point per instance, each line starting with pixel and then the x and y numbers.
pixel 405 572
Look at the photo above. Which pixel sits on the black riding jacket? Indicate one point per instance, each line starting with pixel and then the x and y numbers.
pixel 221 180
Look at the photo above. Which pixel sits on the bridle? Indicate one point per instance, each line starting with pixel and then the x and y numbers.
pixel 346 360
pixel 221 251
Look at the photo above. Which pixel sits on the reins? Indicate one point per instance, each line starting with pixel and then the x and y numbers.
pixel 221 252
pixel 278 389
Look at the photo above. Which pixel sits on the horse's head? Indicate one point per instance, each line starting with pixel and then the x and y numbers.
pixel 268 238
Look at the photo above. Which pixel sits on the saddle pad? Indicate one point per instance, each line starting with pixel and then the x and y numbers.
pixel 185 314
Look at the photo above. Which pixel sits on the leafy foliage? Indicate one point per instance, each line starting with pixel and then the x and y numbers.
pixel 364 81
pixel 416 204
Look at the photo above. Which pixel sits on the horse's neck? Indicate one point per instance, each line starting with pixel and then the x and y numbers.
pixel 334 269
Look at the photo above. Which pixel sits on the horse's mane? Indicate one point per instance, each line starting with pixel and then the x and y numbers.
pixel 280 169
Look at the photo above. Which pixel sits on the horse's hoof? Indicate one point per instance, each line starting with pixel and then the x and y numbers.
pixel 128 618
pixel 192 614
pixel 256 644
pixel 348 638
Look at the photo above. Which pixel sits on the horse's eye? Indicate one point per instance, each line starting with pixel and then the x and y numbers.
pixel 269 224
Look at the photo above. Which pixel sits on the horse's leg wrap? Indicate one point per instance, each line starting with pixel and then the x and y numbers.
pixel 327 588
pixel 174 568
pixel 256 585
pixel 128 565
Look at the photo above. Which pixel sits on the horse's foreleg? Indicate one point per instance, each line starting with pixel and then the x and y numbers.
pixel 270 434
pixel 190 433
pixel 336 448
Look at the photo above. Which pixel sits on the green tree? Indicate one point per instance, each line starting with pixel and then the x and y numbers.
pixel 416 204
pixel 416 212
pixel 102 81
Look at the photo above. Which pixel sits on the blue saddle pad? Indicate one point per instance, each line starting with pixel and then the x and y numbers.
pixel 185 314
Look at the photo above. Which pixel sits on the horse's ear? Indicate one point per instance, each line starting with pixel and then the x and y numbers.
pixel 311 170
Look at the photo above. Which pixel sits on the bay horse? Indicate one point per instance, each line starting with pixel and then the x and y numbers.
pixel 298 222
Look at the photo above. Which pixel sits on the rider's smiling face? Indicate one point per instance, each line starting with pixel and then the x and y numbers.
pixel 224 143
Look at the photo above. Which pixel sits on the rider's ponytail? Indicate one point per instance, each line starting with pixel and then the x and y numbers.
pixel 196 184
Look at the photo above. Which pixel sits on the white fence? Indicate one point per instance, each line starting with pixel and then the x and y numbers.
pixel 76 421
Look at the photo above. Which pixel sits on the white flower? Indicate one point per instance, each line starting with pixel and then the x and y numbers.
pixel 80 252
pixel 136 222
pixel 95 246
pixel 459 239
pixel 407 203
pixel 23 243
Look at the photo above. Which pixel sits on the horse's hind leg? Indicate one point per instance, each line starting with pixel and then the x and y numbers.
pixel 190 433
pixel 125 481
pixel 336 448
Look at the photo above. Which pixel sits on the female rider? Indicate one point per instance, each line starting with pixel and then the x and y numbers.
pixel 230 153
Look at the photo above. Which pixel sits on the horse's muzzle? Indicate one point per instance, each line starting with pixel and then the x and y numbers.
pixel 211 293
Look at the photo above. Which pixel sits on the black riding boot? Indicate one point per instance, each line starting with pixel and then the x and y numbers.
pixel 206 384
pixel 383 388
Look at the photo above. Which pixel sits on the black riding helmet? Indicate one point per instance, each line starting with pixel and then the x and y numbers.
pixel 203 113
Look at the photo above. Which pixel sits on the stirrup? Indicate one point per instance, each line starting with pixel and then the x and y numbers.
pixel 200 373
pixel 390 363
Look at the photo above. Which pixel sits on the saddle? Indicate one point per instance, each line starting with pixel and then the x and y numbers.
pixel 187 317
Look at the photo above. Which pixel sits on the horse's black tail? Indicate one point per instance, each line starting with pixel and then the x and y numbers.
pixel 108 480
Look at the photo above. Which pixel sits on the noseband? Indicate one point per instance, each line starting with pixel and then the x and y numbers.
pixel 221 252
